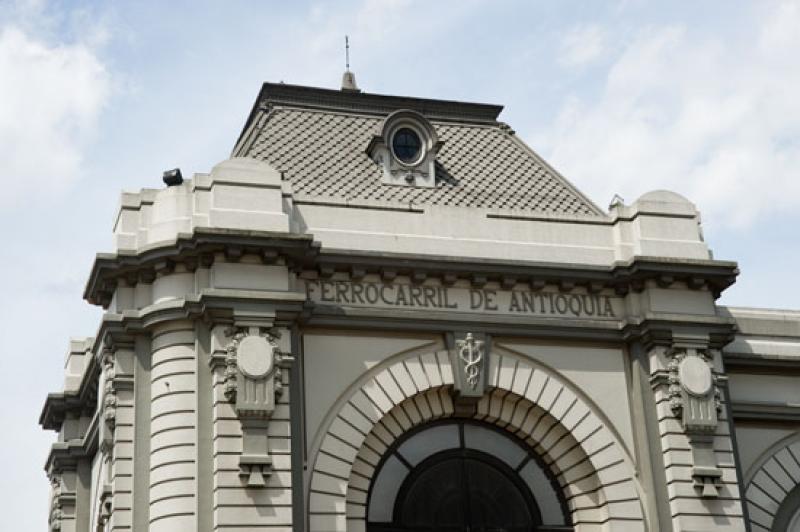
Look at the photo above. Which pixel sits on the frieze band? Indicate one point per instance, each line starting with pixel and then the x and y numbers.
pixel 365 293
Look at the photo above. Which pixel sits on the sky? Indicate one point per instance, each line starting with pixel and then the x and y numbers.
pixel 622 97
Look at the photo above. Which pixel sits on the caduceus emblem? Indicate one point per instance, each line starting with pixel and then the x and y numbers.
pixel 470 351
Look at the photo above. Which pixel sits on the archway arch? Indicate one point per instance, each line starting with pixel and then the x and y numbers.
pixel 531 402
pixel 773 489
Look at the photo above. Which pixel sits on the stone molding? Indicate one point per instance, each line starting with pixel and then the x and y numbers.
pixel 64 456
pixel 589 462
pixel 190 250
pixel 80 402
pixel 621 276
pixel 760 412
pixel 302 253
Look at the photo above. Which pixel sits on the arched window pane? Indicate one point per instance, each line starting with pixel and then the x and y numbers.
pixel 456 476
pixel 429 442
pixel 794 524
pixel 493 443
pixel 495 503
pixel 546 497
pixel 385 488
pixel 435 498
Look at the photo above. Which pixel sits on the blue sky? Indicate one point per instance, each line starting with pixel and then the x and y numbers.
pixel 621 96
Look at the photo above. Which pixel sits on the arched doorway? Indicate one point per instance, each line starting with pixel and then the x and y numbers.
pixel 462 475
pixel 595 474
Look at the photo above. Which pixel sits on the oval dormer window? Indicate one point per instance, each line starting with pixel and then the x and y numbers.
pixel 406 145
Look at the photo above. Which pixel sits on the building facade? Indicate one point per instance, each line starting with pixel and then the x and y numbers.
pixel 390 314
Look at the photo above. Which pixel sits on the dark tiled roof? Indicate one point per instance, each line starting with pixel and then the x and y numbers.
pixel 481 164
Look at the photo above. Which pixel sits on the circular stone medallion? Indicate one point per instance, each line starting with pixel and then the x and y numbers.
pixel 254 356
pixel 695 375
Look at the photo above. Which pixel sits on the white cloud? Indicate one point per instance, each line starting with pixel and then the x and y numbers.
pixel 51 98
pixel 717 120
pixel 582 45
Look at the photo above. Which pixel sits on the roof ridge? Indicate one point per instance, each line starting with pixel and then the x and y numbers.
pixel 316 97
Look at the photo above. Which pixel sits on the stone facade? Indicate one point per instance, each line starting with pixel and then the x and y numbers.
pixel 276 331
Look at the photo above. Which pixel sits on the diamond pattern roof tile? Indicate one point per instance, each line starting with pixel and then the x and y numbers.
pixel 323 154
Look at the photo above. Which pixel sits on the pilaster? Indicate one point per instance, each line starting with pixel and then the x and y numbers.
pixel 62 501
pixel 116 438
pixel 695 435
pixel 251 423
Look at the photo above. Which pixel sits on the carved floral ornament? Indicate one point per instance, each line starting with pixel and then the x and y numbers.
pixel 109 394
pixel 55 504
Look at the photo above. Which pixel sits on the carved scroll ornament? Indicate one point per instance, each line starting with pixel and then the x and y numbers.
pixel 694 397
pixel 253 380
pixel 109 394
pixel 693 391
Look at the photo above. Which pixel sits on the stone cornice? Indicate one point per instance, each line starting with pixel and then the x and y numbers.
pixel 621 276
pixel 760 412
pixel 84 400
pixel 64 456
pixel 211 305
pixel 191 250
pixel 661 330
pixel 57 405
pixel 302 253
pixel 759 364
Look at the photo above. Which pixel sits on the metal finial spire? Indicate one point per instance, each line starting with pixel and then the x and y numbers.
pixel 348 78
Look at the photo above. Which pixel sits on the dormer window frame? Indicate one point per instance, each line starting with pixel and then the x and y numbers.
pixel 421 172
